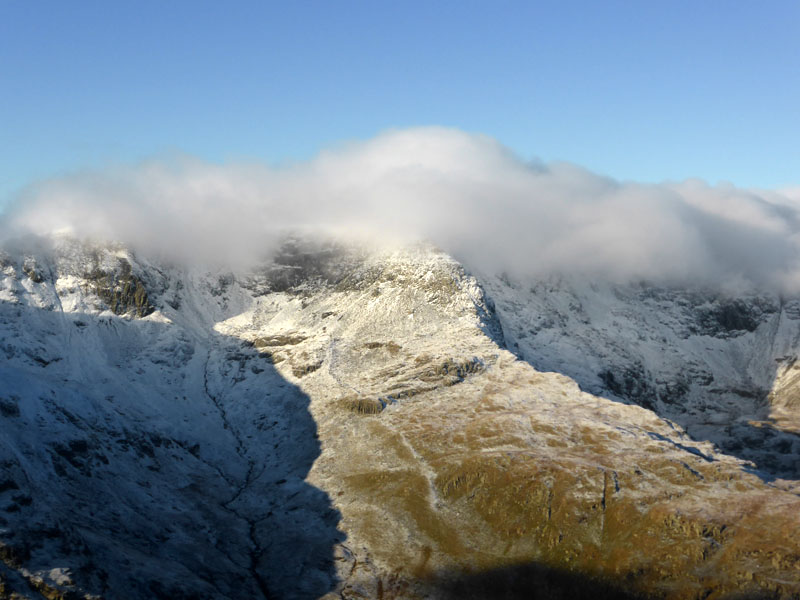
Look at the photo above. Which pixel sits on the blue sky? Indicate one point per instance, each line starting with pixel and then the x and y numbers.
pixel 644 91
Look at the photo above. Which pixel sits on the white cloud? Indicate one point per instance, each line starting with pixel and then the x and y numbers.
pixel 466 193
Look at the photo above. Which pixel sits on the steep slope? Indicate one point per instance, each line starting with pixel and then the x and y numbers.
pixel 125 472
pixel 340 422
pixel 704 359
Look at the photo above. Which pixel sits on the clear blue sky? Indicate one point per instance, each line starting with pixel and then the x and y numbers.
pixel 645 90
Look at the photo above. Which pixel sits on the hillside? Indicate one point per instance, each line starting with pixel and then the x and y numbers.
pixel 350 422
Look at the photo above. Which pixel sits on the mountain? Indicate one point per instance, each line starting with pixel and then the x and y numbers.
pixel 714 363
pixel 342 421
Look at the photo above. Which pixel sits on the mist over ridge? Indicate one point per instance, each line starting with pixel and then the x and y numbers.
pixel 466 193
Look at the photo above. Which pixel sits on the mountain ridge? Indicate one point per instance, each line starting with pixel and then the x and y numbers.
pixel 341 422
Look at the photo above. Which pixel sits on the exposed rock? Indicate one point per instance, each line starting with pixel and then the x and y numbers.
pixel 123 292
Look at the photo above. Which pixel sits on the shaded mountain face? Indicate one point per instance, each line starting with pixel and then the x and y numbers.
pixel 360 423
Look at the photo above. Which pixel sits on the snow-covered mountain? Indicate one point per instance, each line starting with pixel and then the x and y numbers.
pixel 352 422
pixel 707 360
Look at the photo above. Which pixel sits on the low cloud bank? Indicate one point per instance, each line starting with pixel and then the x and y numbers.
pixel 466 193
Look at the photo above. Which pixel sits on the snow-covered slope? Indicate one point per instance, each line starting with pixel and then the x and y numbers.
pixel 346 422
pixel 706 360
pixel 134 450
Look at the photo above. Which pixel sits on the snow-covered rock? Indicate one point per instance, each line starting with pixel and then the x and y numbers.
pixel 349 422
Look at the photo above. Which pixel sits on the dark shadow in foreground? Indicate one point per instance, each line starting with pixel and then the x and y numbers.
pixel 525 581
pixel 538 582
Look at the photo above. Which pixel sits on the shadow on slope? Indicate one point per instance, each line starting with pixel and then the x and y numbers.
pixel 773 452
pixel 140 461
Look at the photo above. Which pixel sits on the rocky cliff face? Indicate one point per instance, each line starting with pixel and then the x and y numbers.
pixel 346 423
